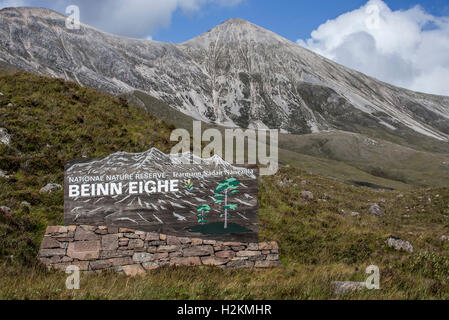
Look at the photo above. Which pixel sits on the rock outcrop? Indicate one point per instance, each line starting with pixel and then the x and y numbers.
pixel 5 138
pixel 51 187
pixel 399 244
pixel 376 210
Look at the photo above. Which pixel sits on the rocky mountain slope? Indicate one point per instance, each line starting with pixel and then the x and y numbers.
pixel 237 74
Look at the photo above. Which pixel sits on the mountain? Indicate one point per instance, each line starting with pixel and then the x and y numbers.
pixel 236 74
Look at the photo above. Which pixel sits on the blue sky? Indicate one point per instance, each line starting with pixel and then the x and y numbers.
pixel 292 19
pixel 407 46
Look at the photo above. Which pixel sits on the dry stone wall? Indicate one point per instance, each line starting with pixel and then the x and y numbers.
pixel 134 252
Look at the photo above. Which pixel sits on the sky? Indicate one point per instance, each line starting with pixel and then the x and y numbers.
pixel 403 42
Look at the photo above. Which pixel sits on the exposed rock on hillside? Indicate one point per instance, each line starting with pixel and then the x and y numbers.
pixel 376 210
pixel 343 287
pixel 399 244
pixel 49 188
pixel 236 74
pixel 5 138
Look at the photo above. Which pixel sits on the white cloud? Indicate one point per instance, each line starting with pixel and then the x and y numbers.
pixel 13 3
pixel 408 48
pixel 131 18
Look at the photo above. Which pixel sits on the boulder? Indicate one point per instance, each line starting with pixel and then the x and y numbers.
pixel 343 287
pixel 307 195
pixel 51 187
pixel 5 138
pixel 376 210
pixel 399 244
pixel 25 204
pixel 5 210
pixel 133 270
pixel 3 175
pixel 284 182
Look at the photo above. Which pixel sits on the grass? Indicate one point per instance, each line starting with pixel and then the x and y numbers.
pixel 320 240
pixel 343 155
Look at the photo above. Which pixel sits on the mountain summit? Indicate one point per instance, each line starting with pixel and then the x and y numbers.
pixel 237 74
pixel 237 30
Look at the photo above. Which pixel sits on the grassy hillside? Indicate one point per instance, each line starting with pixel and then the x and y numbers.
pixel 51 121
pixel 378 158
pixel 321 240
pixel 349 157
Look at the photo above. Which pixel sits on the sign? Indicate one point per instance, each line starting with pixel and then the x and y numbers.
pixel 180 195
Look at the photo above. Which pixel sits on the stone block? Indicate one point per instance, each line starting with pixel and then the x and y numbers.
pixel 50 243
pixel 135 244
pixel 52 252
pixel 225 254
pixel 198 251
pixel 106 254
pixel 196 242
pixel 150 266
pixel 213 261
pixel 184 240
pixel 161 255
pixel 253 246
pixel 168 248
pixel 130 235
pixel 272 257
pixel 151 236
pixel 185 261
pixel 171 240
pixel 121 261
pixel 100 264
pixel 268 245
pixel 240 264
pixel 84 250
pixel 248 253
pixel 112 230
pixel 109 242
pixel 52 229
pixel 133 270
pixel 141 257
pixel 81 234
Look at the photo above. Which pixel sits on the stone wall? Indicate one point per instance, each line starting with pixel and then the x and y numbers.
pixel 135 252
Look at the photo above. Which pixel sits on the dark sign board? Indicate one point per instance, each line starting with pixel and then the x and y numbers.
pixel 154 191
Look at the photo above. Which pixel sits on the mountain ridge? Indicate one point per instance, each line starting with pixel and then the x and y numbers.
pixel 231 75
